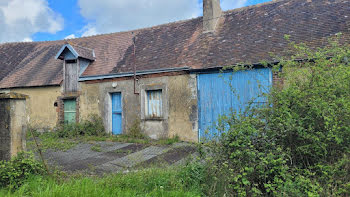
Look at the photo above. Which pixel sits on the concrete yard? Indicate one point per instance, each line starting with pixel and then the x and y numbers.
pixel 117 157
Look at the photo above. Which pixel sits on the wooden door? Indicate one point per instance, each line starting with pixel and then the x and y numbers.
pixel 117 113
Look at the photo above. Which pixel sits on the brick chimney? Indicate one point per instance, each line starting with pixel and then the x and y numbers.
pixel 211 13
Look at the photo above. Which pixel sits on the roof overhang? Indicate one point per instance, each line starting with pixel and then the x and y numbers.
pixel 70 48
pixel 79 52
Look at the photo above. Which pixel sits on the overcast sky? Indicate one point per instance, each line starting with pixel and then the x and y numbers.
pixel 38 20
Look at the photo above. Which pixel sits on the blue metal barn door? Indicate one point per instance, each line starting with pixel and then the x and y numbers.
pixel 219 93
pixel 117 113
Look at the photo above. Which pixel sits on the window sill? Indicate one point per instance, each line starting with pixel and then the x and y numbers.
pixel 154 119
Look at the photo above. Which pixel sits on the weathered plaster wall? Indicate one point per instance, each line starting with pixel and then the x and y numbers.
pixel 41 112
pixel 89 100
pixel 179 104
pixel 183 118
pixel 18 126
pixel 96 99
pixel 12 127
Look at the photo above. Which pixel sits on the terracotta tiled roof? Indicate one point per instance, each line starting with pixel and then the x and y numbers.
pixel 29 64
pixel 243 35
pixel 84 52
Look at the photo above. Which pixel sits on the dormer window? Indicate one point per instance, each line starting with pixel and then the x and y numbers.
pixel 76 60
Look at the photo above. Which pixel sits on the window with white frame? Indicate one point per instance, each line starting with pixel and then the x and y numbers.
pixel 154 104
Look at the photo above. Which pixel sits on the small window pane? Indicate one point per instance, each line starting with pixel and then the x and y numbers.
pixel 154 103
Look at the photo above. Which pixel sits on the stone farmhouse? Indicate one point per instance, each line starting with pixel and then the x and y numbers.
pixel 167 76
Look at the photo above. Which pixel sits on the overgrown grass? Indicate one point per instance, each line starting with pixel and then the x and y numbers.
pixel 131 139
pixel 151 182
pixel 49 140
pixel 68 136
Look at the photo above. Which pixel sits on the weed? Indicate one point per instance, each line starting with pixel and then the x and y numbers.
pixel 91 167
pixel 96 148
pixel 144 140
pixel 135 129
pixel 49 140
pixel 168 141
pixel 123 151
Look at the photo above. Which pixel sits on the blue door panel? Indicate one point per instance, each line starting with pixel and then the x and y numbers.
pixel 117 114
pixel 219 93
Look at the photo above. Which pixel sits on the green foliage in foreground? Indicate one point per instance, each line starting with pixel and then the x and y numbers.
pixel 299 143
pixel 151 182
pixel 15 172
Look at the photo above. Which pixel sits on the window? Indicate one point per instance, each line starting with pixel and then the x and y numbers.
pixel 154 104
pixel 69 111
pixel 71 61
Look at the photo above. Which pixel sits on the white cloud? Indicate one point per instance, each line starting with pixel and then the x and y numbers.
pixel 27 40
pixel 232 4
pixel 107 16
pixel 70 36
pixel 20 19
pixel 89 30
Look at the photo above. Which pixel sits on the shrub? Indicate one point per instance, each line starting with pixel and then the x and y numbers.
pixel 246 162
pixel 310 117
pixel 93 126
pixel 13 173
pixel 299 143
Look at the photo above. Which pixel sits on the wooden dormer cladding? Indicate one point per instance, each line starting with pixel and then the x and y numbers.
pixel 75 60
pixel 71 75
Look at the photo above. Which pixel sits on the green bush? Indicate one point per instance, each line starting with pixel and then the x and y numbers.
pixel 298 144
pixel 246 161
pixel 135 129
pixel 13 173
pixel 93 126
